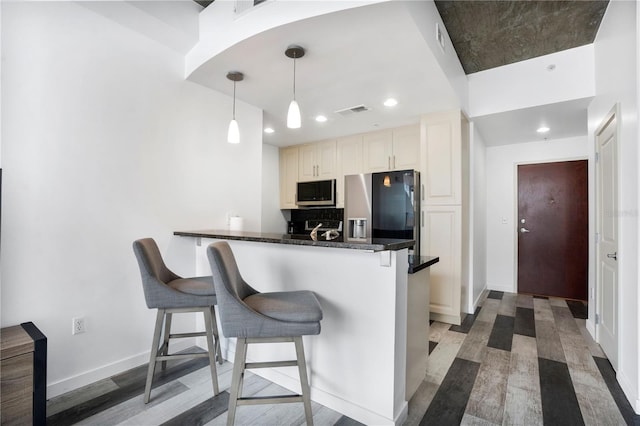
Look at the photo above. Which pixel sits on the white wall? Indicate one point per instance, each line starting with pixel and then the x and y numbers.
pixel 104 142
pixel 478 255
pixel 501 200
pixel 616 71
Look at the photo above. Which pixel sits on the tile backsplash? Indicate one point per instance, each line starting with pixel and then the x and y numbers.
pixel 300 215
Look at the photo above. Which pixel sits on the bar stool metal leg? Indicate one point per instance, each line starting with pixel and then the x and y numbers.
pixel 211 348
pixel 236 380
pixel 167 333
pixel 304 381
pixel 216 335
pixel 154 354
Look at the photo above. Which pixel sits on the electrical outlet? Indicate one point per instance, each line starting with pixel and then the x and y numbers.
pixel 78 325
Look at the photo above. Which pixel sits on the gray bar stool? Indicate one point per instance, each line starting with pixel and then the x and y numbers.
pixel 172 294
pixel 255 317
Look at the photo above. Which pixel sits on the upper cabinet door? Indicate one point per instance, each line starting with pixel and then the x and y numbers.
pixel 307 163
pixel 442 158
pixel 377 149
pixel 317 161
pixel 349 157
pixel 406 148
pixel 326 159
pixel 288 177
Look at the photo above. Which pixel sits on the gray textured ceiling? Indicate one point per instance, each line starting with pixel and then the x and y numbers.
pixel 489 34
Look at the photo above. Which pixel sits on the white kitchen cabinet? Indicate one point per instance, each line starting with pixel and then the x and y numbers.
pixel 442 159
pixel 288 177
pixel 377 150
pixel 394 149
pixel 317 161
pixel 349 162
pixel 406 148
pixel 444 171
pixel 441 236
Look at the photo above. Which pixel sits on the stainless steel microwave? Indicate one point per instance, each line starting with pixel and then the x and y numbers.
pixel 316 193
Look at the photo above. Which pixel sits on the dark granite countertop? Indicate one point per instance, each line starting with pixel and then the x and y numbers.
pixel 418 264
pixel 375 244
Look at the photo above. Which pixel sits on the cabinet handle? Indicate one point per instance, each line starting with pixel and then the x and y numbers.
pixel 394 161
pixel 389 162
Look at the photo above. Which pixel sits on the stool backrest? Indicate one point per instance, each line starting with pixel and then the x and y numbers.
pixel 154 272
pixel 231 289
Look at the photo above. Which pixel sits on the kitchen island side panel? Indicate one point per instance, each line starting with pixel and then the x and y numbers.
pixel 356 365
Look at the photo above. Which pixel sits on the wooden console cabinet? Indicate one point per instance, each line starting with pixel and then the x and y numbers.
pixel 23 375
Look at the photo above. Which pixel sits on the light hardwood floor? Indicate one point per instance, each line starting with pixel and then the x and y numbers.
pixel 518 360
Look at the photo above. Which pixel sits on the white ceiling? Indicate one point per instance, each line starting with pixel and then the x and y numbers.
pixel 564 119
pixel 363 56
pixel 358 56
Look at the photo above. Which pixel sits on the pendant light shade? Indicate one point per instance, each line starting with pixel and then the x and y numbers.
pixel 293 115
pixel 233 135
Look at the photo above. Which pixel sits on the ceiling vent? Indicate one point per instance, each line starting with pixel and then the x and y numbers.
pixel 352 110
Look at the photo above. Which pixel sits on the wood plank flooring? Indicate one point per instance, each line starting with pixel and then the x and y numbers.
pixel 517 360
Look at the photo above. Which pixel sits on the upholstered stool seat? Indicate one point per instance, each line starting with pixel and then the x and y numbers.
pixel 171 294
pixel 254 317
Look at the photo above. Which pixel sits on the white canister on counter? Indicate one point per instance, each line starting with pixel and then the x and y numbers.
pixel 235 223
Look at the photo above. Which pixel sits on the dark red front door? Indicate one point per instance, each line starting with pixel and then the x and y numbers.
pixel 553 227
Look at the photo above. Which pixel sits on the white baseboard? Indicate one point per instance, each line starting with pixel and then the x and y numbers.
pixel 449 319
pixel 106 371
pixel 591 328
pixel 327 399
pixel 625 384
pixel 503 288
pixel 477 301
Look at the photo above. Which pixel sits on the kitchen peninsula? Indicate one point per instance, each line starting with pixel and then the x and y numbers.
pixel 371 354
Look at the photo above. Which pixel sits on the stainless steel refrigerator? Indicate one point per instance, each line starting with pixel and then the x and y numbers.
pixel 383 205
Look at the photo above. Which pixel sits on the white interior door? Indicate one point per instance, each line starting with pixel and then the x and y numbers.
pixel 607 223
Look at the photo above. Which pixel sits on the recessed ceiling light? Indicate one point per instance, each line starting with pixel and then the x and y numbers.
pixel 321 119
pixel 543 129
pixel 268 130
pixel 390 102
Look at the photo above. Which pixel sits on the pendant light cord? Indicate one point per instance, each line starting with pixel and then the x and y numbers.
pixel 234 100
pixel 294 77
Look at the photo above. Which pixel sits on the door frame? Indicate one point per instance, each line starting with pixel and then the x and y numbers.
pixel 516 226
pixel 594 329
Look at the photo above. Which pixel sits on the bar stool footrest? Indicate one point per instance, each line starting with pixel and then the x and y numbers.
pixel 276 399
pixel 270 364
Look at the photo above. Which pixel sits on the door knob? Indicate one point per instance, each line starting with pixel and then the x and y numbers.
pixel 613 255
pixel 524 230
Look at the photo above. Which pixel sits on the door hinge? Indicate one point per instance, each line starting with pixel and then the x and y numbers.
pixel 597 157
pixel 597 318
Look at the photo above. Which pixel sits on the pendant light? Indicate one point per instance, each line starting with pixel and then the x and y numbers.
pixel 233 136
pixel 293 115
